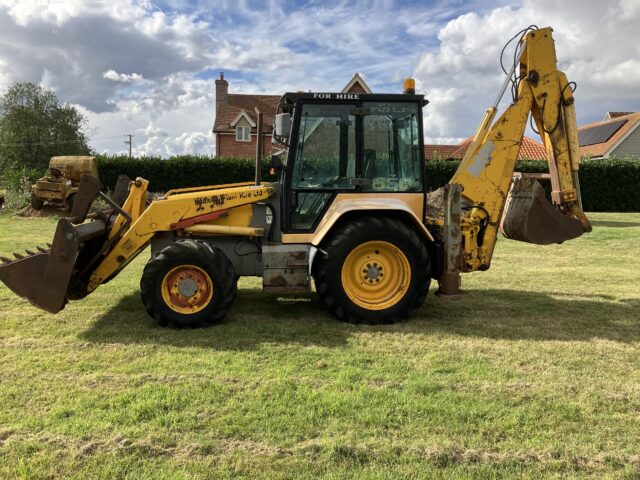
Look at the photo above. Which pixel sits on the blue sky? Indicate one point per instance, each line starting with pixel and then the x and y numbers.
pixel 147 68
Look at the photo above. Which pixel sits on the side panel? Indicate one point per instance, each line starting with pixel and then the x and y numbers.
pixel 411 203
pixel 285 268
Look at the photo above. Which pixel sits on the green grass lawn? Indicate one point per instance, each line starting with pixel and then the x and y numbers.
pixel 535 373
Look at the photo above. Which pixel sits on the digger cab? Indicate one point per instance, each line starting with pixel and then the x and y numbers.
pixel 349 147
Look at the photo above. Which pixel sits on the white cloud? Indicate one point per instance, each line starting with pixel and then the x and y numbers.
pixel 60 11
pixel 122 77
pixel 595 46
pixel 134 67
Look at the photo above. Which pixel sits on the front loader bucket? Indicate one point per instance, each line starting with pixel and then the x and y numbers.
pixel 43 276
pixel 529 217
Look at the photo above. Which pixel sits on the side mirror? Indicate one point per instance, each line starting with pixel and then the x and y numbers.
pixel 282 125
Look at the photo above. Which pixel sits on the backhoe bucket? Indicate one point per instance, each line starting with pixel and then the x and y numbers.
pixel 529 217
pixel 43 276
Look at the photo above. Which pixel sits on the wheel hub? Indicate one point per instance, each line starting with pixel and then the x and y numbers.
pixel 373 272
pixel 187 289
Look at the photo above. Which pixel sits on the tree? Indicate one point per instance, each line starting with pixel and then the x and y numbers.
pixel 34 127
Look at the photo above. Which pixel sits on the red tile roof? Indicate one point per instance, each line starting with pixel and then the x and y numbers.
pixel 440 151
pixel 529 149
pixel 601 149
pixel 228 110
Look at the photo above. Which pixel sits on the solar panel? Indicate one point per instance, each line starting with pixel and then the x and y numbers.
pixel 599 133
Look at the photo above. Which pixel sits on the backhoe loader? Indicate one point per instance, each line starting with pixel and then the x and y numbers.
pixel 350 209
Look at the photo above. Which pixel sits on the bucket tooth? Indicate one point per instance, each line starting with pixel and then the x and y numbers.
pixel 30 252
pixel 6 260
pixel 41 249
pixel 19 256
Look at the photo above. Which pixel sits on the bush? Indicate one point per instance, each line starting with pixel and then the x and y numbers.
pixel 607 185
pixel 611 185
pixel 15 179
pixel 177 172
pixel 14 200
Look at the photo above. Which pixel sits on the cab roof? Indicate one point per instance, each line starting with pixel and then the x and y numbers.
pixel 294 97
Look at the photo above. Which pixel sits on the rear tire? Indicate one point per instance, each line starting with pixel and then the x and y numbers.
pixel 376 270
pixel 188 284
pixel 36 202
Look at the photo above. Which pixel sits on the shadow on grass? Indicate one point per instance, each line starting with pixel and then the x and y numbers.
pixel 615 224
pixel 257 318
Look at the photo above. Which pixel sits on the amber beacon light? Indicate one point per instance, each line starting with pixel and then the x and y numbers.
pixel 409 87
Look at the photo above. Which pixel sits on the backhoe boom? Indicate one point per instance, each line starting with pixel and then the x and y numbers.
pixel 487 169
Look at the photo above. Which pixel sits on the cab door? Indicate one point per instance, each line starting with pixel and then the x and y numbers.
pixel 324 162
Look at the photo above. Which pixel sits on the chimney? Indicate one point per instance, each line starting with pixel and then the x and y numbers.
pixel 222 89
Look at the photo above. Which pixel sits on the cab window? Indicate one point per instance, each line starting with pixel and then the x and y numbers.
pixel 326 148
pixel 391 147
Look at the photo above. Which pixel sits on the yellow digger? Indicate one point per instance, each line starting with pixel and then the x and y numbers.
pixel 350 209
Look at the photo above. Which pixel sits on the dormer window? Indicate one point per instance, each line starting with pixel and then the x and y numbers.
pixel 243 133
pixel 243 123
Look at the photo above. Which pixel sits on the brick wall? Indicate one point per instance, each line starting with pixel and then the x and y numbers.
pixel 227 146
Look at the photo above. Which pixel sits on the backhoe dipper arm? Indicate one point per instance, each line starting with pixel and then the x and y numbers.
pixel 487 169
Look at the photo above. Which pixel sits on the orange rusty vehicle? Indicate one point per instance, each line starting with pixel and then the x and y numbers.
pixel 60 187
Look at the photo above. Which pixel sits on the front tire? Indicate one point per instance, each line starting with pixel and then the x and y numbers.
pixel 188 284
pixel 36 202
pixel 375 270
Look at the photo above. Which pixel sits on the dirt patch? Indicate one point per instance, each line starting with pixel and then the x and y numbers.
pixel 46 211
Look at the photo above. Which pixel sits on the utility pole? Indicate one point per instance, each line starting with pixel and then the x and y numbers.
pixel 129 142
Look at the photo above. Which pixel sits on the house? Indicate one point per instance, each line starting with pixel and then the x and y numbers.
pixel 617 135
pixel 529 150
pixel 235 126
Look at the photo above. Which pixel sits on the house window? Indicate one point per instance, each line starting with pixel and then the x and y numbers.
pixel 243 134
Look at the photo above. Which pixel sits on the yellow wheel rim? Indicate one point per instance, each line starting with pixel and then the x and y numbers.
pixel 376 275
pixel 187 289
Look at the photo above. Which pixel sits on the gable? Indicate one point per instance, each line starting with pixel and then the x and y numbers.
pixel 629 145
pixel 356 85
pixel 242 119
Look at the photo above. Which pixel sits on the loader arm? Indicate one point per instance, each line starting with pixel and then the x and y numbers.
pixel 85 255
pixel 179 211
pixel 486 172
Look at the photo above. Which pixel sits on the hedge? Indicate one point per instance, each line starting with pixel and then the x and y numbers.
pixel 176 172
pixel 611 185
